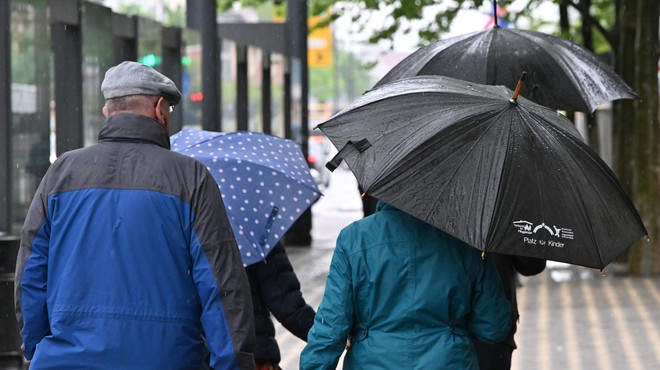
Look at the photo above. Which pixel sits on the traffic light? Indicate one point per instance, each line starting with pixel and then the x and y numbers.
pixel 196 96
pixel 150 60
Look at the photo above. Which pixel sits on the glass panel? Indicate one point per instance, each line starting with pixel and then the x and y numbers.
pixel 277 94
pixel 191 80
pixel 97 58
pixel 255 63
pixel 228 82
pixel 150 43
pixel 296 100
pixel 31 90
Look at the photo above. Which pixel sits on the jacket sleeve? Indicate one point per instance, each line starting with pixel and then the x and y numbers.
pixel 31 274
pixel 327 338
pixel 490 320
pixel 280 290
pixel 222 284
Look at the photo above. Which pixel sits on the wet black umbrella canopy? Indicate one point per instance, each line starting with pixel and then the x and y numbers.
pixel 504 175
pixel 562 75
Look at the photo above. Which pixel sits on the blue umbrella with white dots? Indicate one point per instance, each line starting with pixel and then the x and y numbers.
pixel 264 180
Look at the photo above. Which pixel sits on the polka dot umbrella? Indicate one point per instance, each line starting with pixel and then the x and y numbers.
pixel 264 180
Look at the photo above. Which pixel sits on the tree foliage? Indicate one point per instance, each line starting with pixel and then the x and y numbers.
pixel 347 79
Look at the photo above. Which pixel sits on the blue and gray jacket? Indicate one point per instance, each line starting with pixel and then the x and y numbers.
pixel 127 260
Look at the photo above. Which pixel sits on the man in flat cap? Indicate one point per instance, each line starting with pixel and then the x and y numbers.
pixel 127 259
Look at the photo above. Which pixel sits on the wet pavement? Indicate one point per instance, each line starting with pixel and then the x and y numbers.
pixel 571 317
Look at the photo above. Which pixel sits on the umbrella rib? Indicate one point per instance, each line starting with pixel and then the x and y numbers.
pixel 197 143
pixel 572 181
pixel 583 207
pixel 233 159
pixel 469 151
pixel 569 72
pixel 412 133
pixel 274 169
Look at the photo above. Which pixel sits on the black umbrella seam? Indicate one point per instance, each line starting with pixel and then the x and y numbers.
pixel 612 181
pixel 435 204
pixel 571 177
pixel 404 67
pixel 542 44
pixel 584 54
pixel 382 174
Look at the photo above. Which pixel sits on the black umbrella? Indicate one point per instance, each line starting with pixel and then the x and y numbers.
pixel 503 175
pixel 563 75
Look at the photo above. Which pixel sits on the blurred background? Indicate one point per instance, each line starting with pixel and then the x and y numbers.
pixel 282 67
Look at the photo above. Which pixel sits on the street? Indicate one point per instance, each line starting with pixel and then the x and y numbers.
pixel 571 317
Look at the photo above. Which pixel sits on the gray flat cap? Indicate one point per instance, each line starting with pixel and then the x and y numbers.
pixel 132 78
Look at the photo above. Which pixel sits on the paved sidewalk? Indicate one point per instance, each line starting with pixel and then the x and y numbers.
pixel 572 318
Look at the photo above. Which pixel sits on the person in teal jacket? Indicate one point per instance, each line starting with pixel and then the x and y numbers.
pixel 405 295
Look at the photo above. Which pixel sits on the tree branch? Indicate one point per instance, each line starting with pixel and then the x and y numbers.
pixel 586 15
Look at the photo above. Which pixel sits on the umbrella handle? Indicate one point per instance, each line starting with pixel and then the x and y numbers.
pixel 518 88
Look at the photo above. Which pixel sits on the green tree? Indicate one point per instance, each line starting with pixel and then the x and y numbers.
pixel 347 79
pixel 644 124
pixel 131 9
pixel 174 16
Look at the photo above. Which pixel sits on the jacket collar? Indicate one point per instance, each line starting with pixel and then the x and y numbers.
pixel 134 128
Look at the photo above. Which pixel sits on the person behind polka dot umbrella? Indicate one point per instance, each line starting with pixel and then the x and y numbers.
pixel 264 180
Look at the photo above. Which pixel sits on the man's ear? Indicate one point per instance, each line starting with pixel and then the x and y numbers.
pixel 160 115
pixel 161 107
pixel 105 111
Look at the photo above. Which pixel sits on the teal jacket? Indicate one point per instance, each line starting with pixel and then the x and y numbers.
pixel 407 296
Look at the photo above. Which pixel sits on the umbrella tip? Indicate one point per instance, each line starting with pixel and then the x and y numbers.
pixel 603 273
pixel 483 254
pixel 496 24
pixel 514 99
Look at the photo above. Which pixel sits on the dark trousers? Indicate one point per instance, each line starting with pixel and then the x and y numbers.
pixel 494 356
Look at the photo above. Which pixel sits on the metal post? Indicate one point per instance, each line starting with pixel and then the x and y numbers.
pixel 172 69
pixel 297 20
pixel 201 15
pixel 300 233
pixel 242 98
pixel 5 117
pixel 288 132
pixel 124 38
pixel 11 356
pixel 266 104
